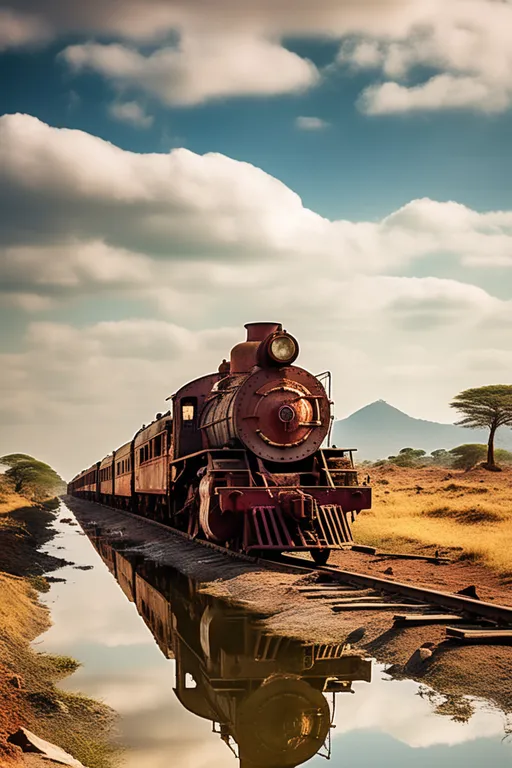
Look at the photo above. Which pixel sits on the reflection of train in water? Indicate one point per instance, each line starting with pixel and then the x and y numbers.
pixel 240 459
pixel 263 693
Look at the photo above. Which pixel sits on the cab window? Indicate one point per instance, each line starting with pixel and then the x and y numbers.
pixel 188 410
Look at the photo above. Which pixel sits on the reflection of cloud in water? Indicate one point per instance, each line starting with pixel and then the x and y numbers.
pixel 395 708
pixel 89 607
pixel 133 693
pixel 154 726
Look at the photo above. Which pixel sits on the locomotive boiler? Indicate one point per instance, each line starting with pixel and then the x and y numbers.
pixel 241 459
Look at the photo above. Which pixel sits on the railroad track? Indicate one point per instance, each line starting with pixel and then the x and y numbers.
pixel 414 606
pixel 353 591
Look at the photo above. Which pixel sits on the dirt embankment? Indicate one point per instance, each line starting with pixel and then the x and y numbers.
pixel 28 695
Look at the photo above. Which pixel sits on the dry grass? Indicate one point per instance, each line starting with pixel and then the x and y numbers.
pixel 465 512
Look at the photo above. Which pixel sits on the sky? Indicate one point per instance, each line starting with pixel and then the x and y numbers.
pixel 171 169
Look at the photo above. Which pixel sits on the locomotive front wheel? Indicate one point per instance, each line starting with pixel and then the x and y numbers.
pixel 320 556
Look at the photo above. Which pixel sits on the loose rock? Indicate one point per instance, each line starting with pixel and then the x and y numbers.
pixel 29 742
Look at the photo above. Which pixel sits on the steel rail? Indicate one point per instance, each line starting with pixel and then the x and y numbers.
pixel 495 612
pixel 460 603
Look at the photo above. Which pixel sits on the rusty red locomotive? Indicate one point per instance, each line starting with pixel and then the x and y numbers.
pixel 240 460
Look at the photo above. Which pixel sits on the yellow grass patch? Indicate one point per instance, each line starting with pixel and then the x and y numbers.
pixel 441 509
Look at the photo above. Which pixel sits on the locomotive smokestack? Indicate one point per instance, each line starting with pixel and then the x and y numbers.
pixel 260 331
pixel 243 356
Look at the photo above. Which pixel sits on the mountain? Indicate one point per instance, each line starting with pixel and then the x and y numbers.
pixel 379 430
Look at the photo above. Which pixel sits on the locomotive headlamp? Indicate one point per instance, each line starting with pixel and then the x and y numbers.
pixel 283 349
pixel 278 349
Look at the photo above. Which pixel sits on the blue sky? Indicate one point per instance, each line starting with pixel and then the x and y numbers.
pixel 390 121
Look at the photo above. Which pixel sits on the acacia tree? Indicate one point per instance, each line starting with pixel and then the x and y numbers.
pixel 30 475
pixel 488 407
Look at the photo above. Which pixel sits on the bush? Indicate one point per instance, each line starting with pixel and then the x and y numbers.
pixel 468 455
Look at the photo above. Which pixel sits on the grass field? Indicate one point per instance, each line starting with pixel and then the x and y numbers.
pixel 465 513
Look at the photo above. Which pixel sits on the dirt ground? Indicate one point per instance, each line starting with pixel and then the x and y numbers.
pixel 453 671
pixel 28 694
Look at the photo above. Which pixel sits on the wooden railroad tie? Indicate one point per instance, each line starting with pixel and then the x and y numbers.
pixel 327 587
pixel 373 606
pixel 419 619
pixel 496 635
pixel 338 593
pixel 403 556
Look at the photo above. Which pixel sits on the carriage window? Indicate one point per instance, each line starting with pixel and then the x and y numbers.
pixel 146 452
pixel 157 446
pixel 141 455
pixel 188 410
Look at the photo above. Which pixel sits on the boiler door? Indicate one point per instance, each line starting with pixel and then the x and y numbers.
pixel 282 417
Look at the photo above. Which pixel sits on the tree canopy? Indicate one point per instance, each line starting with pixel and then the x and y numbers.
pixel 489 407
pixel 407 457
pixel 30 476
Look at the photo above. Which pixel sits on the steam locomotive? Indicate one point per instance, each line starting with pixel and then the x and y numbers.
pixel 241 460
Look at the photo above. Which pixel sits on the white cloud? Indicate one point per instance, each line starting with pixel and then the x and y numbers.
pixel 155 19
pixel 130 112
pixel 199 68
pixel 396 709
pixel 100 216
pixel 467 41
pixel 228 48
pixel 311 123
pixel 18 30
pixel 440 92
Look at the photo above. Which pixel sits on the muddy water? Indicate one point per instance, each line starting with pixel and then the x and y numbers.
pixel 187 675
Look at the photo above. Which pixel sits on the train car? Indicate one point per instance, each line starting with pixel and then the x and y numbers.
pixel 242 461
pixel 123 486
pixel 151 449
pixel 85 484
pixel 125 574
pixel 106 480
pixel 155 610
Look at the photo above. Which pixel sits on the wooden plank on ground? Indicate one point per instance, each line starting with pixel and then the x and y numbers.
pixel 403 556
pixel 373 607
pixel 366 599
pixel 326 587
pixel 418 619
pixel 498 636
pixel 341 593
pixel 363 548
